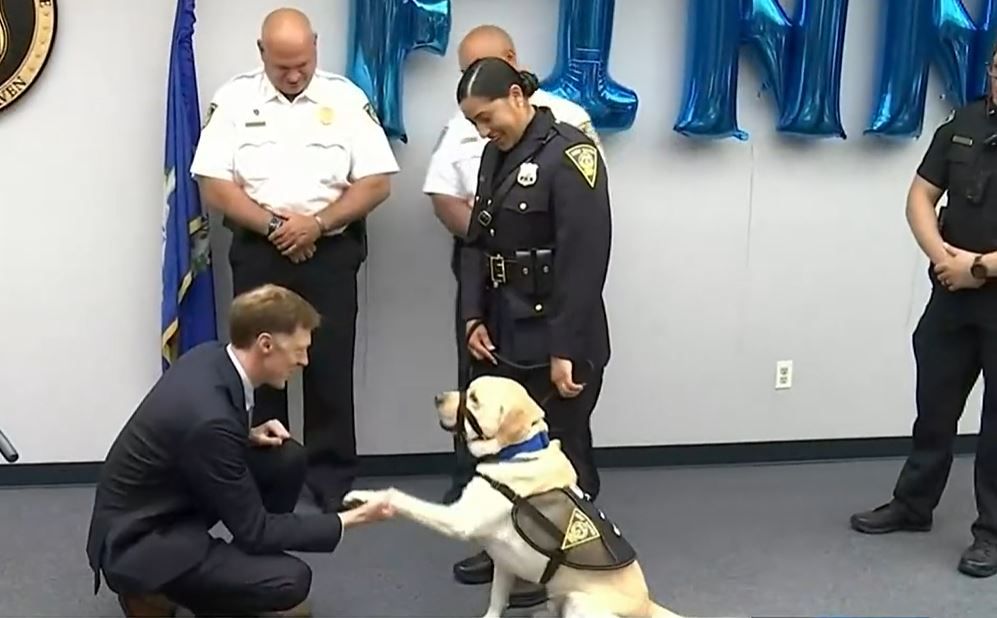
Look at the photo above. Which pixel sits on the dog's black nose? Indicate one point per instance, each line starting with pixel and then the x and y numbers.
pixel 438 399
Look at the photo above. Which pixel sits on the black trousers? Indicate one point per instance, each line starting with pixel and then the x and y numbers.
pixel 329 282
pixel 230 582
pixel 955 339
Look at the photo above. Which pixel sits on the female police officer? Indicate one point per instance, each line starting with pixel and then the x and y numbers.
pixel 536 258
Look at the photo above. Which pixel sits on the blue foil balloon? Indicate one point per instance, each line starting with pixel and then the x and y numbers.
pixel 709 101
pixel 581 72
pixel 986 37
pixel 810 105
pixel 382 33
pixel 800 62
pixel 919 32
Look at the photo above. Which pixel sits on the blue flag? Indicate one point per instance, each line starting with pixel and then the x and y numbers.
pixel 188 303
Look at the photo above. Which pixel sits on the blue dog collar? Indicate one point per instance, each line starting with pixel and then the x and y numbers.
pixel 536 443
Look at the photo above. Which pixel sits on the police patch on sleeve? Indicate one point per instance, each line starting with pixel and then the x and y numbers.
pixel 589 131
pixel 211 110
pixel 439 140
pixel 586 159
pixel 373 115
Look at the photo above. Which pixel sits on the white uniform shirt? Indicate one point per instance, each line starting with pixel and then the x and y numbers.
pixel 247 386
pixel 298 155
pixel 453 167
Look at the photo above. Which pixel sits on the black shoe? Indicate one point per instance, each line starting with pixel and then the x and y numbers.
pixel 527 594
pixel 980 560
pixel 890 517
pixel 474 570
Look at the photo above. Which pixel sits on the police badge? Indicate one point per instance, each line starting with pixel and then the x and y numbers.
pixel 527 174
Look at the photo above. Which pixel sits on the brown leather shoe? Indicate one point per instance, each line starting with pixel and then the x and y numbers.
pixel 147 606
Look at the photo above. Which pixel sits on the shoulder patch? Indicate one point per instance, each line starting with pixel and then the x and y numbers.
pixel 211 110
pixel 589 131
pixel 439 140
pixel 370 112
pixel 586 159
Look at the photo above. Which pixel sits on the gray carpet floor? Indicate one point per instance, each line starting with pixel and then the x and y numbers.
pixel 720 541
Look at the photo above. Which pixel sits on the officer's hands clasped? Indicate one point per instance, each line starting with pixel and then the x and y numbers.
pixel 296 237
pixel 954 272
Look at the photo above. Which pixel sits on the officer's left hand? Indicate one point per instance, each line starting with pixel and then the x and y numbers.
pixel 297 232
pixel 954 273
pixel 561 370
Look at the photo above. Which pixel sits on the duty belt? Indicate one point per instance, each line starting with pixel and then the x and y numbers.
pixel 529 270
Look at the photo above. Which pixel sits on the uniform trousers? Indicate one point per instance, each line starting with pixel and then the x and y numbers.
pixel 329 282
pixel 229 582
pixel 955 339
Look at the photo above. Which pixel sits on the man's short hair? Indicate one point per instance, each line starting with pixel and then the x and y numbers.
pixel 269 309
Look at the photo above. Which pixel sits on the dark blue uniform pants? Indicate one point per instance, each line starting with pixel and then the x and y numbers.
pixel 954 341
pixel 329 282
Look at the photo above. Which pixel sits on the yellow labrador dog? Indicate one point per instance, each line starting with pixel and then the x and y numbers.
pixel 498 417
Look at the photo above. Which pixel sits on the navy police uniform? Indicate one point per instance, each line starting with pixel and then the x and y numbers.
pixel 956 336
pixel 533 270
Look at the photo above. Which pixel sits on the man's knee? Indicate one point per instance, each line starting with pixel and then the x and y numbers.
pixel 291 459
pixel 292 587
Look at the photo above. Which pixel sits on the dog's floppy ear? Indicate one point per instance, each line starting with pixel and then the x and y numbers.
pixel 517 419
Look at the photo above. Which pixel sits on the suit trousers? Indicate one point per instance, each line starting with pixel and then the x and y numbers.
pixel 229 582
pixel 955 339
pixel 329 282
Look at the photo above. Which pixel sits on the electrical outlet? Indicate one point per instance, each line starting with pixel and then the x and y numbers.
pixel 784 374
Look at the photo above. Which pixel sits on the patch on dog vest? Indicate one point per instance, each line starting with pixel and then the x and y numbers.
pixel 567 528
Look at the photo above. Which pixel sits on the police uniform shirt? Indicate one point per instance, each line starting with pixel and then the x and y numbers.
pixel 959 162
pixel 298 155
pixel 453 167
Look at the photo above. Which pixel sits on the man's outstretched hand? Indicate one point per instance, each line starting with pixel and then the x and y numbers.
pixel 373 506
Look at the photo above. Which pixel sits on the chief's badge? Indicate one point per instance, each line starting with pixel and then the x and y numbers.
pixel 527 174
pixel 580 531
pixel 585 158
pixel 325 115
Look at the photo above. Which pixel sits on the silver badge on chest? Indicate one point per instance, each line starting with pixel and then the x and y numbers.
pixel 527 174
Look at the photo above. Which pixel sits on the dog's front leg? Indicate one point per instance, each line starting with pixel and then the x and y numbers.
pixel 502 582
pixel 450 521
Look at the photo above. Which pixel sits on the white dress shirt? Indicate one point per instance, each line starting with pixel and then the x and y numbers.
pixel 247 386
pixel 298 155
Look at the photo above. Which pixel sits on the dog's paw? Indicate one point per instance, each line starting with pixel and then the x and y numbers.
pixel 359 497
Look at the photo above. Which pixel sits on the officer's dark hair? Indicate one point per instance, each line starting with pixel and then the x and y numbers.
pixel 490 78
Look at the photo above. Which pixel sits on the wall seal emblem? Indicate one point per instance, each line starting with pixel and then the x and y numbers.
pixel 27 33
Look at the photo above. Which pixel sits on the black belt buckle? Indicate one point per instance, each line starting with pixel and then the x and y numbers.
pixel 496 270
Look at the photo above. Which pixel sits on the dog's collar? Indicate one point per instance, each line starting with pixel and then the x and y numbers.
pixel 536 443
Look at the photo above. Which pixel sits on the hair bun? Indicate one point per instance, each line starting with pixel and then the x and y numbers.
pixel 530 82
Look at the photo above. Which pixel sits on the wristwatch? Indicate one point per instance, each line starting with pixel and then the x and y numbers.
pixel 978 269
pixel 274 224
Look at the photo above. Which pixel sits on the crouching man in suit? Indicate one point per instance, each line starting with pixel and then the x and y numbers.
pixel 187 459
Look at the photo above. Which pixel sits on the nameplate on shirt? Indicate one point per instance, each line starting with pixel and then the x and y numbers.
pixel 256 123
pixel 965 141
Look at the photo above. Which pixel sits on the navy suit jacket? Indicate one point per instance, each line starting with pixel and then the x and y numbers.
pixel 176 469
